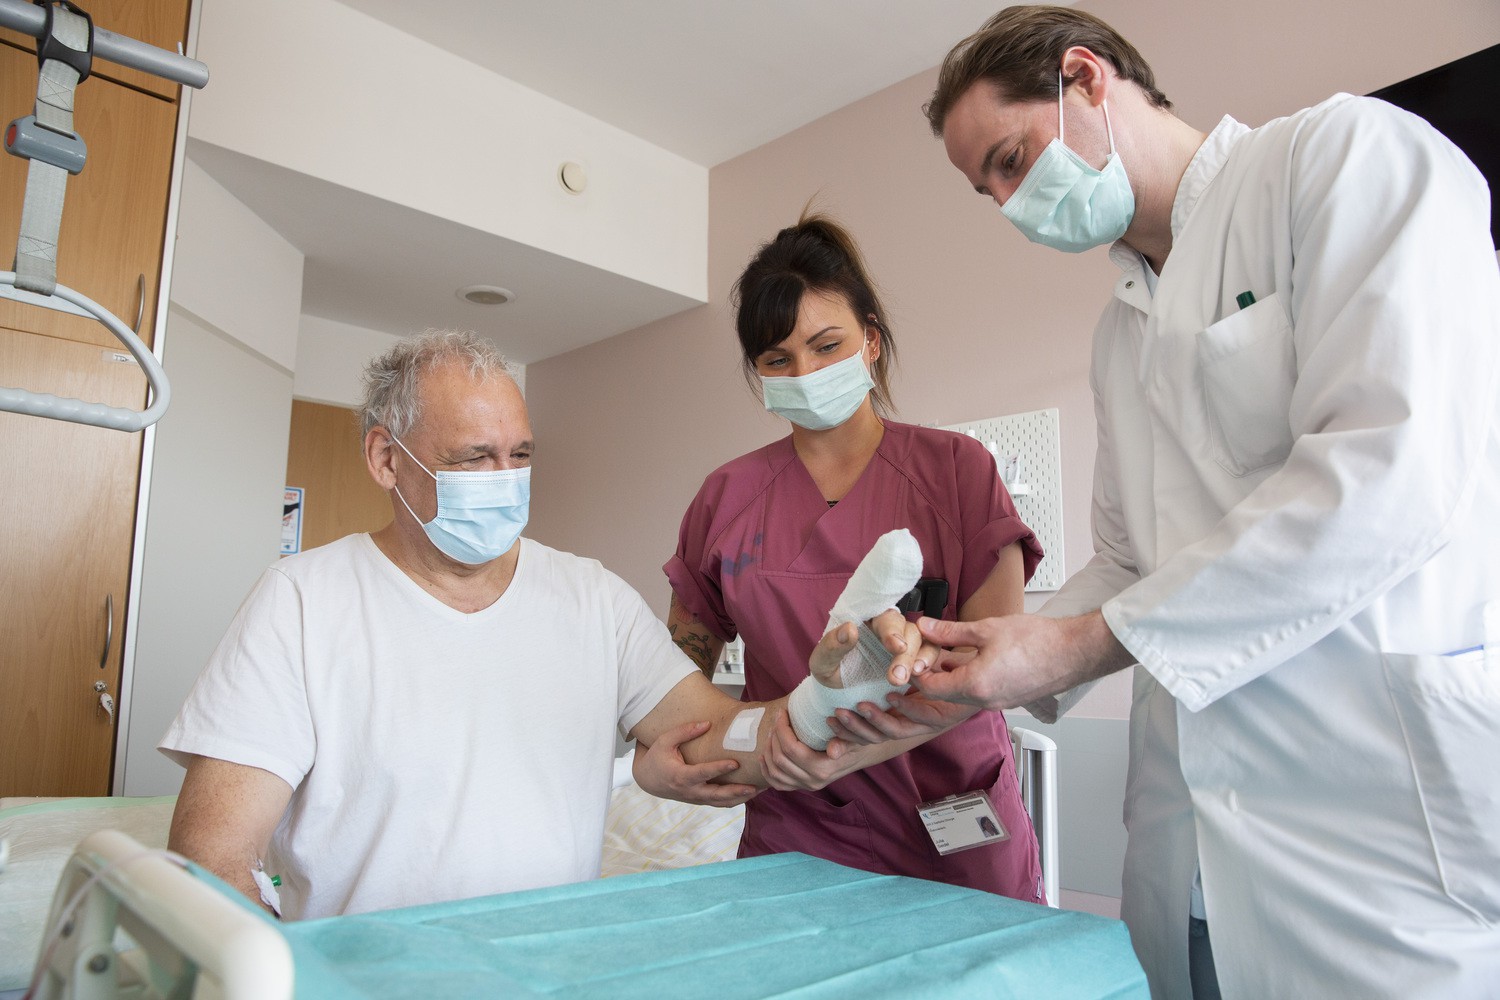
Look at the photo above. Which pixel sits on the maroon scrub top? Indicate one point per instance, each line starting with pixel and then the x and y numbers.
pixel 762 554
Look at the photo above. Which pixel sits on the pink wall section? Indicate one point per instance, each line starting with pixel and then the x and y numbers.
pixel 986 323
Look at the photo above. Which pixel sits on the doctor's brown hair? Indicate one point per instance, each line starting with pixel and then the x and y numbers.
pixel 1020 50
pixel 817 255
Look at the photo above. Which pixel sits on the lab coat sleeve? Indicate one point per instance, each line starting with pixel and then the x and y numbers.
pixel 1113 566
pixel 1393 305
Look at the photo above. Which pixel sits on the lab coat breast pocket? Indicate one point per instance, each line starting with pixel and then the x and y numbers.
pixel 1248 364
pixel 1449 709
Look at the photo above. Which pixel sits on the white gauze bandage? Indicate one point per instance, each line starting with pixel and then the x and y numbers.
pixel 887 573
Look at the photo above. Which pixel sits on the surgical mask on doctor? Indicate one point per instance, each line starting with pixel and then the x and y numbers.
pixel 822 399
pixel 1064 203
pixel 479 514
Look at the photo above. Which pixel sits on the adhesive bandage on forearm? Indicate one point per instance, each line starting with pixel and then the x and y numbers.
pixel 887 573
pixel 743 733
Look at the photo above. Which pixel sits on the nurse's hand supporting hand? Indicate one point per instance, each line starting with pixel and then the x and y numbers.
pixel 908 716
pixel 1018 658
pixel 789 764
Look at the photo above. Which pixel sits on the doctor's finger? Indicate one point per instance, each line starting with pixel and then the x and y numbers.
pixel 952 659
pixel 929 713
pixel 948 633
pixel 949 685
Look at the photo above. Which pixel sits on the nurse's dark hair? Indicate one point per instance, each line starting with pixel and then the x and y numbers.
pixel 1020 50
pixel 392 381
pixel 815 255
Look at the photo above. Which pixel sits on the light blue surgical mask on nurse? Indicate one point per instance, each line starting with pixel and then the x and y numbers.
pixel 820 400
pixel 479 514
pixel 1068 205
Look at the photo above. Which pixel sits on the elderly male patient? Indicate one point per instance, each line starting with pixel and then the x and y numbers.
pixel 427 713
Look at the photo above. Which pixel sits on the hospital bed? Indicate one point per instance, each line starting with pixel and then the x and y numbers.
pixel 781 925
pixel 138 919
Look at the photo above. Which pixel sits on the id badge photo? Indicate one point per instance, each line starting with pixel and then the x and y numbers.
pixel 961 822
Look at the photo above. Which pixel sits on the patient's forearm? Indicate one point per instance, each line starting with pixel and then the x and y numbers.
pixel 759 718
pixel 224 817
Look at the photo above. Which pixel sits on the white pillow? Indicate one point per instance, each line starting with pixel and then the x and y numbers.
pixel 41 837
pixel 644 833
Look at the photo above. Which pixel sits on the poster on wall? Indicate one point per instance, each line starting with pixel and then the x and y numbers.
pixel 291 520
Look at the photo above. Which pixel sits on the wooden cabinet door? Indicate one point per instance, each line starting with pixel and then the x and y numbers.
pixel 115 212
pixel 68 495
pixel 325 458
pixel 162 23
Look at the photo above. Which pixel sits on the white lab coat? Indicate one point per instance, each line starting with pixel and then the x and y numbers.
pixel 1297 507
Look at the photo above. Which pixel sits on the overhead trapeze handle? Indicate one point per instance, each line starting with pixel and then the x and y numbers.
pixel 78 411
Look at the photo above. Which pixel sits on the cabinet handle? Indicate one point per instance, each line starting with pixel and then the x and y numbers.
pixel 109 629
pixel 140 303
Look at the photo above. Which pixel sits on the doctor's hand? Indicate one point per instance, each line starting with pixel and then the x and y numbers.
pixel 661 770
pixel 1018 658
pixel 900 637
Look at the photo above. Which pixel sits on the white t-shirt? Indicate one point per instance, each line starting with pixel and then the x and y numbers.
pixel 435 755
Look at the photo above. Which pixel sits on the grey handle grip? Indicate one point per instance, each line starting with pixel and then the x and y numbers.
pixel 78 411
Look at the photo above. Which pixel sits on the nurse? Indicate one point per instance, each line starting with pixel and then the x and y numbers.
pixel 1297 381
pixel 772 537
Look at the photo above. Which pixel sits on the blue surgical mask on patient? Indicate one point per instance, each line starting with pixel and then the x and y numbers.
pixel 479 514
pixel 822 399
pixel 1064 203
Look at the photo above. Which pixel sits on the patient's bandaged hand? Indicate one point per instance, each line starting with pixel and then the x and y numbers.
pixel 886 574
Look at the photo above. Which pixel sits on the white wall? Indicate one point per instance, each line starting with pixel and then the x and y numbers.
pixel 332 93
pixel 236 272
pixel 213 518
pixel 213 525
pixel 331 355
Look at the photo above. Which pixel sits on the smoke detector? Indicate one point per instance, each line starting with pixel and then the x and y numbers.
pixel 573 177
pixel 486 295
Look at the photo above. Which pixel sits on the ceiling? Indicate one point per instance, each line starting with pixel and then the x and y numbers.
pixel 705 79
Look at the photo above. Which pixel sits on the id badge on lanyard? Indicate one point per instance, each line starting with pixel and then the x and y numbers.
pixel 961 822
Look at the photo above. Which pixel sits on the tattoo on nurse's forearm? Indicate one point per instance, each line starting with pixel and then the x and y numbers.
pixel 691 643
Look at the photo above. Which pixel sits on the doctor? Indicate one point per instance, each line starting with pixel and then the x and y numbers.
pixel 1296 514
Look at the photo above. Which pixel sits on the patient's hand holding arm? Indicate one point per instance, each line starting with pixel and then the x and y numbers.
pixel 661 770
pixel 224 819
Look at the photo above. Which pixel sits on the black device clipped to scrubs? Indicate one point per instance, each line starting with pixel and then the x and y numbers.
pixel 929 596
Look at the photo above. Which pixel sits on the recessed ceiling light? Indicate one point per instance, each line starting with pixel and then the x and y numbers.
pixel 486 295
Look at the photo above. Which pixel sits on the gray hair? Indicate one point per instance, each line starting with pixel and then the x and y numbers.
pixel 392 381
